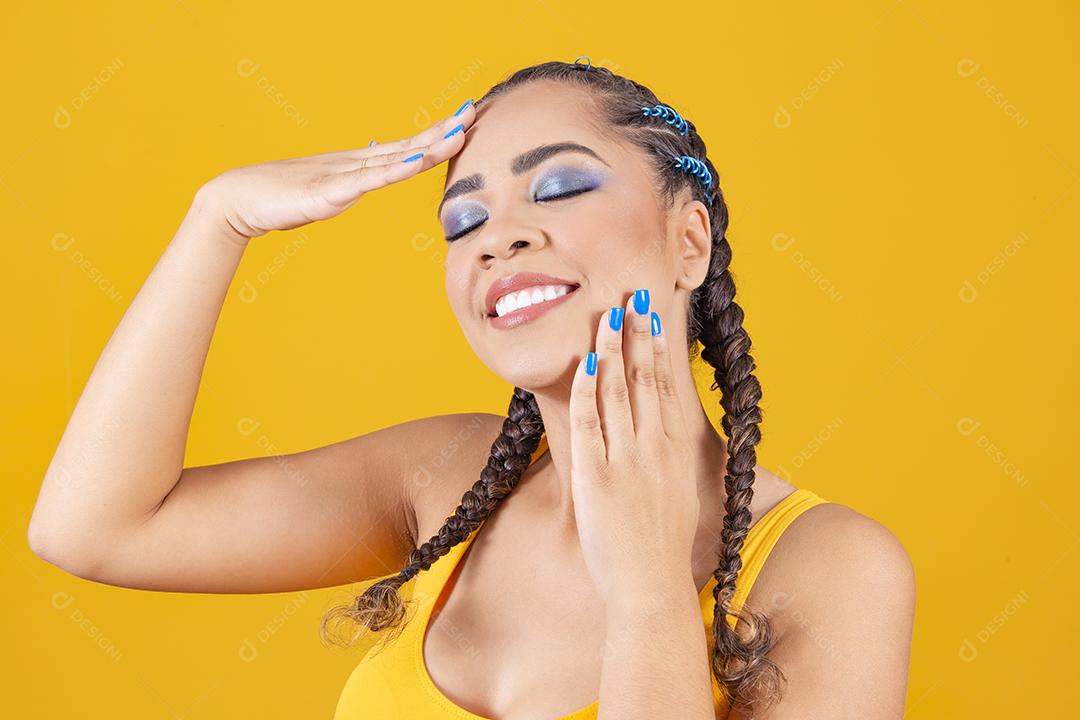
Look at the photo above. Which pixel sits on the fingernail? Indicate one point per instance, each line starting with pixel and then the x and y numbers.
pixel 590 363
pixel 371 143
pixel 417 156
pixel 455 130
pixel 464 105
pixel 616 318
pixel 655 324
pixel 641 302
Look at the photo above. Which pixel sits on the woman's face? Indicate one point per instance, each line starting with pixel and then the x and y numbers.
pixel 501 216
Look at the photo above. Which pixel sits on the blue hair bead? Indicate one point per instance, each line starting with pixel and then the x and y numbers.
pixel 695 167
pixel 668 115
pixel 699 170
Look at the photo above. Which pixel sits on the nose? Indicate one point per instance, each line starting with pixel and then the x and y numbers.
pixel 505 240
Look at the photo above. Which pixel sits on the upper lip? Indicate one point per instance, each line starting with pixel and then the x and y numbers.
pixel 520 281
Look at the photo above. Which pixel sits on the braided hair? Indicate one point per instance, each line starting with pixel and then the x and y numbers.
pixel 741 637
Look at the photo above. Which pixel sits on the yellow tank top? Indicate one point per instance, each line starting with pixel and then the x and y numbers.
pixel 394 682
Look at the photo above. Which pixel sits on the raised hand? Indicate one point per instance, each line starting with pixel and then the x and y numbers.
pixel 283 194
pixel 635 499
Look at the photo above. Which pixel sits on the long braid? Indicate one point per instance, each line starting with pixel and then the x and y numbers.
pixel 380 606
pixel 725 345
pixel 746 676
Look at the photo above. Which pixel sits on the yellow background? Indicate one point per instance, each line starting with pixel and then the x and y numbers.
pixel 902 177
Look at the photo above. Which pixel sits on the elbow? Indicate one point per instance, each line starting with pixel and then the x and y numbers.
pixel 43 543
pixel 38 537
pixel 58 550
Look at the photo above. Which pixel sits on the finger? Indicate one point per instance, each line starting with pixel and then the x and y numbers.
pixel 586 439
pixel 671 413
pixel 374 149
pixel 640 375
pixel 612 391
pixel 342 188
pixel 434 153
pixel 427 137
pixel 346 187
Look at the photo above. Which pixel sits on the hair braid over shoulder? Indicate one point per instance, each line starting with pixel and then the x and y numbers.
pixel 380 606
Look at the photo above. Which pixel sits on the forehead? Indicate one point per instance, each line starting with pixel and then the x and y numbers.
pixel 533 114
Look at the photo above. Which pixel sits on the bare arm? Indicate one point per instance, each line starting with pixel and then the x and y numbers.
pixel 328 516
pixel 123 448
pixel 116 503
pixel 641 678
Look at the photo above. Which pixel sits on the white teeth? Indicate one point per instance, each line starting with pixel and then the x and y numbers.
pixel 530 296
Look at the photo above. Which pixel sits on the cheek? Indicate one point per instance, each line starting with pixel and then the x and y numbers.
pixel 637 227
pixel 621 251
pixel 457 288
pixel 605 241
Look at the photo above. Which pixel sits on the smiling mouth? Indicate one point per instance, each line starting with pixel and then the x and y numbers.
pixel 516 302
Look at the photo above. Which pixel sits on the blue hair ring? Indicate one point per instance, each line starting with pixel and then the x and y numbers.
pixel 699 170
pixel 669 116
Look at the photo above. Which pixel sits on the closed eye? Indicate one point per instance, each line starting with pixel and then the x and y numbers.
pixel 568 193
pixel 546 198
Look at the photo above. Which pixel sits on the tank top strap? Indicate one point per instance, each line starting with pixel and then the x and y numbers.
pixel 427 586
pixel 763 536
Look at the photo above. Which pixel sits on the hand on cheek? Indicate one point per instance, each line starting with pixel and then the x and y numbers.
pixel 635 501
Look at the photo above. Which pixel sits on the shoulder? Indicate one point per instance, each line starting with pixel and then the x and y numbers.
pixel 839 565
pixel 839 593
pixel 447 463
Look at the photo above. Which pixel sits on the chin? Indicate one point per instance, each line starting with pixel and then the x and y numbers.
pixel 541 353
pixel 538 371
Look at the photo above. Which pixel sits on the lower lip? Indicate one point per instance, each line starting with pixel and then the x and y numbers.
pixel 512 320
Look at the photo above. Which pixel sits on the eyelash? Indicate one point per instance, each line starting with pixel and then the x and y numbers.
pixel 560 196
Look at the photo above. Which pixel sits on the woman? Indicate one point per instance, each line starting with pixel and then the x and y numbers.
pixel 624 573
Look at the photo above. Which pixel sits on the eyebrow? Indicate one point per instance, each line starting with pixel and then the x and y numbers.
pixel 521 164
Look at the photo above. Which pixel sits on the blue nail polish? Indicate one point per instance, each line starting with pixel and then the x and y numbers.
pixel 655 324
pixel 590 363
pixel 371 143
pixel 616 318
pixel 641 302
pixel 464 105
pixel 417 156
pixel 454 131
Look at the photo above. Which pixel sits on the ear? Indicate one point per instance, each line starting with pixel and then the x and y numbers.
pixel 693 233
